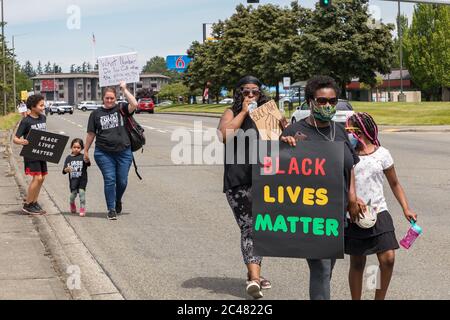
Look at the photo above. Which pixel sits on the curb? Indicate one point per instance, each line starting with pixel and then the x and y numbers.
pixel 68 252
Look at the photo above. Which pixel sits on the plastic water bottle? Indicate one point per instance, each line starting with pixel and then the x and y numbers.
pixel 252 106
pixel 413 233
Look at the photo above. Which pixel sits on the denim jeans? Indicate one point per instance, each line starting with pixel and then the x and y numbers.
pixel 320 271
pixel 114 167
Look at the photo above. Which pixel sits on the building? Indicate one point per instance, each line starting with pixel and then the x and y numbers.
pixel 76 87
pixel 389 90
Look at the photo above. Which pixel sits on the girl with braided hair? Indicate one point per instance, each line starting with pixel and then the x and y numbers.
pixel 375 163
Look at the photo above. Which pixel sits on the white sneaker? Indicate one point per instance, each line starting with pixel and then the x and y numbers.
pixel 254 289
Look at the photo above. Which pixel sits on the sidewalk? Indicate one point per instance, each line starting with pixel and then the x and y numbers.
pixel 26 269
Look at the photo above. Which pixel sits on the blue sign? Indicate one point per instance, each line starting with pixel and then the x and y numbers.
pixel 178 63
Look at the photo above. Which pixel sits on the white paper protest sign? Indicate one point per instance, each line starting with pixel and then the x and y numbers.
pixel 116 68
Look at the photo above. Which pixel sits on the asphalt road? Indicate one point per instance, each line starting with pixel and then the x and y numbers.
pixel 177 238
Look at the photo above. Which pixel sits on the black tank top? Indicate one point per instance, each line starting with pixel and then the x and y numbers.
pixel 239 174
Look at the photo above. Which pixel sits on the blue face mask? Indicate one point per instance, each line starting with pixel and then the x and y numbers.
pixel 353 140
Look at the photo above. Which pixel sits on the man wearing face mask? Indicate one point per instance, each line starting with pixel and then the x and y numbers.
pixel 321 94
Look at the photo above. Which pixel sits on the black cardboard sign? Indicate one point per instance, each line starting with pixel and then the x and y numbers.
pixel 44 146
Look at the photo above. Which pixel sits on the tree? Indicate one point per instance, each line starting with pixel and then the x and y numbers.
pixel 28 69
pixel 427 49
pixel 144 93
pixel 338 42
pixel 155 65
pixel 39 68
pixel 174 91
pixel 264 42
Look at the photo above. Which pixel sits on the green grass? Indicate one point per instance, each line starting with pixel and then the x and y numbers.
pixel 384 113
pixel 200 108
pixel 9 121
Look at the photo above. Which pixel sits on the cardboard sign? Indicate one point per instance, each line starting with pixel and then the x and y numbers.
pixel 298 202
pixel 114 69
pixel 267 119
pixel 44 146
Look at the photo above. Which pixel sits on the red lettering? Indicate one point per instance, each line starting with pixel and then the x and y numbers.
pixel 293 166
pixel 319 166
pixel 304 170
pixel 279 171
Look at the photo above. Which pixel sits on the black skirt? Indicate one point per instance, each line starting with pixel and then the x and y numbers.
pixel 380 238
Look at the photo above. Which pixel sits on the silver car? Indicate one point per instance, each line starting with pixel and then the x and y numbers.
pixel 60 107
pixel 344 110
pixel 89 105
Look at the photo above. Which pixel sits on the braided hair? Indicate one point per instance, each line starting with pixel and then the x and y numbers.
pixel 367 125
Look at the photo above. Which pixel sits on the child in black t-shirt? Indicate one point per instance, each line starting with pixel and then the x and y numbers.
pixel 36 120
pixel 76 166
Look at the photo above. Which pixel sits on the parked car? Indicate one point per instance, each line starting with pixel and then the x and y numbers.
pixel 343 110
pixel 165 103
pixel 89 105
pixel 60 107
pixel 226 101
pixel 295 97
pixel 146 105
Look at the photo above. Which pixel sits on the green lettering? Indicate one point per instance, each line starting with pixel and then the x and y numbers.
pixel 280 223
pixel 263 223
pixel 293 221
pixel 318 226
pixel 332 227
pixel 306 221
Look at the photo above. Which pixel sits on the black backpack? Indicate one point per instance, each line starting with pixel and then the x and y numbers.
pixel 136 134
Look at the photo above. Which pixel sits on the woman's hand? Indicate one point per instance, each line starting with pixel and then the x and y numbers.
pixel 289 140
pixel 410 215
pixel 245 104
pixel 86 157
pixel 354 209
pixel 123 86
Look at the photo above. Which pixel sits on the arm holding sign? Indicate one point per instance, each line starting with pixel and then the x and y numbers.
pixel 20 141
pixel 132 103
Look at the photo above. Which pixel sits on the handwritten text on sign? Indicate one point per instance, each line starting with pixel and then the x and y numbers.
pixel 117 68
pixel 298 202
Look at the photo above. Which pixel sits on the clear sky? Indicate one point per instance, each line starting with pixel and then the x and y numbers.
pixel 150 27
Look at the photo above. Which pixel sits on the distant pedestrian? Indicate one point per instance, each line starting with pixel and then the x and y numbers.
pixel 22 108
pixel 37 169
pixel 76 166
pixel 112 146
pixel 375 163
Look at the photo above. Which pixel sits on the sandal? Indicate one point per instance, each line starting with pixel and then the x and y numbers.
pixel 254 289
pixel 265 284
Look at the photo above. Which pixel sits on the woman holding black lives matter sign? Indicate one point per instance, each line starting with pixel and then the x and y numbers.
pixel 112 146
pixel 321 94
pixel 238 177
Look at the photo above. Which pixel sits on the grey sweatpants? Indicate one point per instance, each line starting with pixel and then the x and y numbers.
pixel 320 272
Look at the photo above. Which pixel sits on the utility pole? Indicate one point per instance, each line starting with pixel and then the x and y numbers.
pixel 4 61
pixel 14 71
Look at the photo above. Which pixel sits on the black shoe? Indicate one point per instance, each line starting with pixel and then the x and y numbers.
pixel 118 207
pixel 112 214
pixel 31 209
pixel 38 207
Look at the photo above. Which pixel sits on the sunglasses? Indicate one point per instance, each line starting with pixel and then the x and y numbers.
pixel 247 92
pixel 323 101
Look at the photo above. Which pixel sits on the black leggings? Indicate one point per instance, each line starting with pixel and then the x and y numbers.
pixel 240 200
